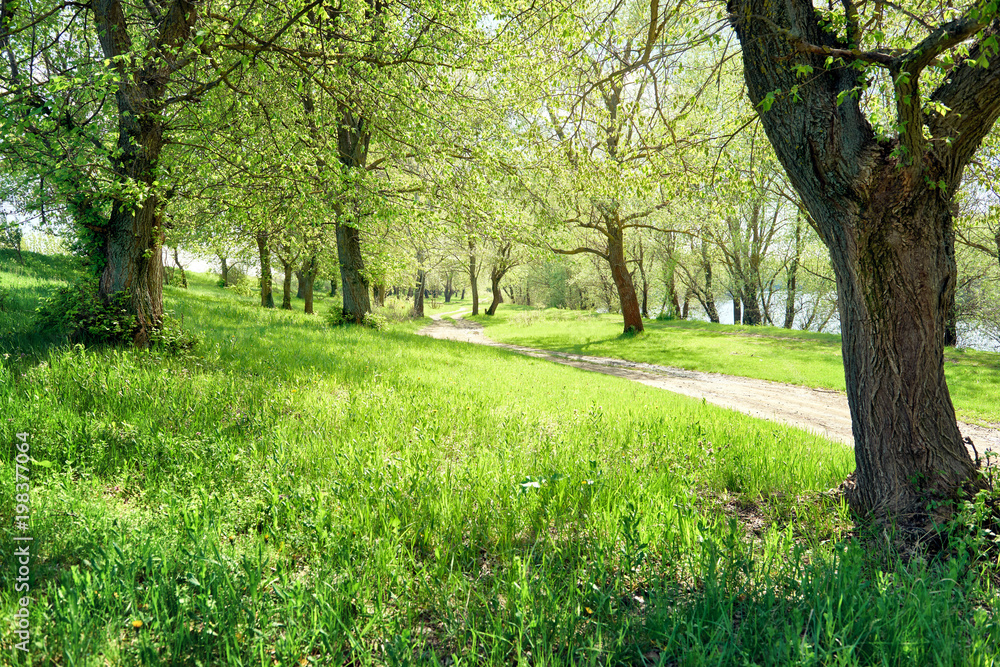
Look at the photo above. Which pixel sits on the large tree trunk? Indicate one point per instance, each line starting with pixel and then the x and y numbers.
pixel 447 288
pixel 751 304
pixel 888 234
pixel 893 286
pixel 378 292
pixel 307 280
pixel 354 282
pixel 737 307
pixel 300 285
pixel 353 138
pixel 266 296
pixel 627 299
pixel 134 233
pixel 473 277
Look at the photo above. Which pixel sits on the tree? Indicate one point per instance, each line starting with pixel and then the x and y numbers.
pixel 879 184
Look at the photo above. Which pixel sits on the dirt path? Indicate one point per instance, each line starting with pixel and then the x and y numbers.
pixel 821 411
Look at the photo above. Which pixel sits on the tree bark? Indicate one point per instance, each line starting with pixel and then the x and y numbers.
pixel 354 282
pixel 378 292
pixel 353 138
pixel 737 307
pixel 627 299
pixel 447 288
pixel 264 251
pixel 888 234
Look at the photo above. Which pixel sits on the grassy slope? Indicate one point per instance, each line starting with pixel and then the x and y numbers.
pixel 767 353
pixel 294 494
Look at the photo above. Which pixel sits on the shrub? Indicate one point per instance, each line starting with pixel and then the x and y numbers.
pixel 171 339
pixel 78 313
pixel 376 321
pixel 335 317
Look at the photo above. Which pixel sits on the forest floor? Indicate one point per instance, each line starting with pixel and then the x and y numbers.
pixel 821 411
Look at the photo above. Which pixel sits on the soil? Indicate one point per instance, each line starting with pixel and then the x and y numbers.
pixel 821 411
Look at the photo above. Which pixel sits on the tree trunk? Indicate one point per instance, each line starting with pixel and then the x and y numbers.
pixel 286 286
pixel 892 314
pixel 266 296
pixel 951 315
pixel 134 233
pixel 751 304
pixel 737 311
pixel 225 270
pixel 888 234
pixel 177 261
pixel 709 298
pixel 378 292
pixel 299 285
pixel 495 277
pixel 333 287
pixel 473 277
pixel 463 294
pixel 418 293
pixel 447 289
pixel 306 281
pixel 354 283
pixel 353 139
pixel 791 277
pixel 623 280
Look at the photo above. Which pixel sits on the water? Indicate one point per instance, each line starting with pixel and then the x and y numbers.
pixel 969 334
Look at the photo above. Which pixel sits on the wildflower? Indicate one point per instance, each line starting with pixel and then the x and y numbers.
pixel 137 624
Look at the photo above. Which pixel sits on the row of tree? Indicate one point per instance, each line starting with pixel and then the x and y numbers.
pixel 345 131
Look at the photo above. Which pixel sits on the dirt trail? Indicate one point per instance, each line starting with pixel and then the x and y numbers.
pixel 821 411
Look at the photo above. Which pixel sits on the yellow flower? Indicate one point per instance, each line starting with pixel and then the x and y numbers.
pixel 137 624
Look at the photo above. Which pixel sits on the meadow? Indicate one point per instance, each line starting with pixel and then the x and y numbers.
pixel 766 353
pixel 291 493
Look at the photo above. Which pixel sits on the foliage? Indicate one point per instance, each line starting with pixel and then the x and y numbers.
pixel 81 316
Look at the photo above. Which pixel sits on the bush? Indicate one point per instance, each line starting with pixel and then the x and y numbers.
pixel 171 339
pixel 666 315
pixel 79 314
pixel 376 321
pixel 335 317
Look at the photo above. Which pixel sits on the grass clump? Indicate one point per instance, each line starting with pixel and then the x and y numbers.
pixel 291 493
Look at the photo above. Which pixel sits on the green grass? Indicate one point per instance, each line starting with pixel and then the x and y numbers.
pixel 767 353
pixel 294 494
pixel 21 288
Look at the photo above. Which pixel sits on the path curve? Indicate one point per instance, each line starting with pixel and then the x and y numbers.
pixel 821 411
